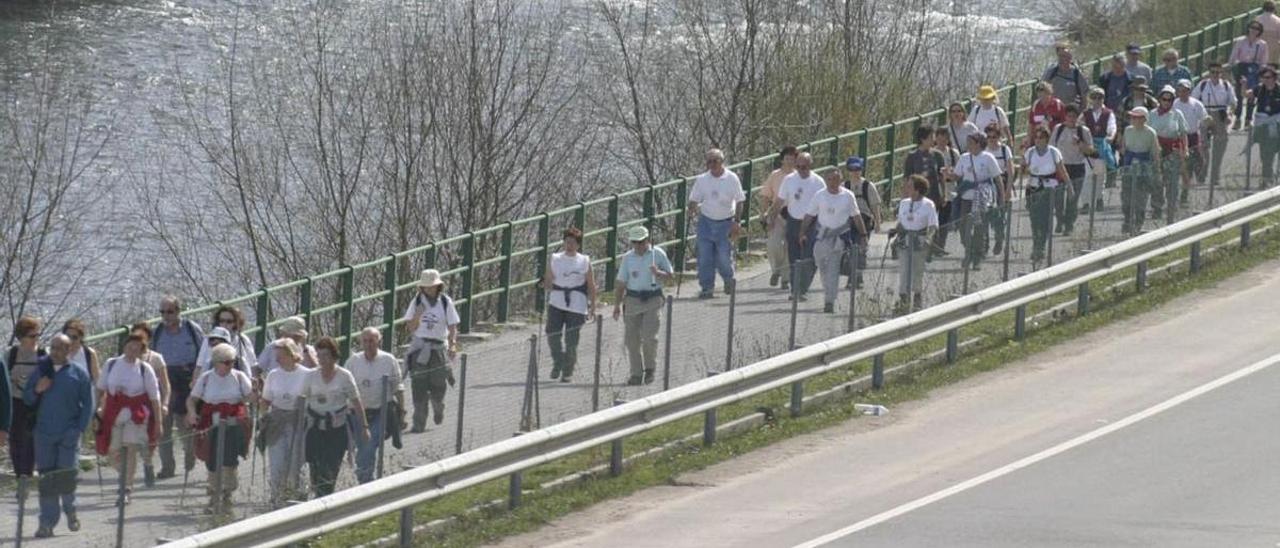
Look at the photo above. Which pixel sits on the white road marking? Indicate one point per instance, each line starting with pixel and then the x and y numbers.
pixel 1047 453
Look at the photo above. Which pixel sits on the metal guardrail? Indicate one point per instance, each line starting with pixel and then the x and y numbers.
pixel 393 493
pixel 393 275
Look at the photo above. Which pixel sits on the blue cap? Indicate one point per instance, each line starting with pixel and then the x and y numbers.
pixel 854 162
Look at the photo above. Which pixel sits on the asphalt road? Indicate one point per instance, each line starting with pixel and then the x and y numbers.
pixel 998 460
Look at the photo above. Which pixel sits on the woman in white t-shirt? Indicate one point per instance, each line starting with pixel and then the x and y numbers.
pixel 223 392
pixel 283 419
pixel 571 302
pixel 1043 166
pixel 998 217
pixel 334 411
pixel 975 194
pixel 917 221
pixel 129 407
pixel 433 321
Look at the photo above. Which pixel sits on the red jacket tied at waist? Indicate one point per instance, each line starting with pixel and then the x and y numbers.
pixel 1169 144
pixel 139 408
pixel 237 411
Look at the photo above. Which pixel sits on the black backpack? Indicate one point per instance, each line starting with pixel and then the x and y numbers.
pixel 1076 76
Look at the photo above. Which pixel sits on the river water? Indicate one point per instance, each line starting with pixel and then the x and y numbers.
pixel 129 54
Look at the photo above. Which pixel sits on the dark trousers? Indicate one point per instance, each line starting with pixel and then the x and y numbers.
pixel 973 230
pixel 801 256
pixel 429 382
pixel 22 448
pixel 325 449
pixel 1067 206
pixel 564 328
pixel 232 449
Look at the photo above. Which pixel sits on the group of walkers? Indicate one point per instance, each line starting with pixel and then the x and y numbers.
pixel 210 393
pixel 1155 133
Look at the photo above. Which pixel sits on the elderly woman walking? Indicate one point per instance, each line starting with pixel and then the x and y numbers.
pixel 282 414
pixel 219 407
pixel 334 412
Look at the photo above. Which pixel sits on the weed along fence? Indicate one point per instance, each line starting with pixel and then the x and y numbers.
pixel 493 272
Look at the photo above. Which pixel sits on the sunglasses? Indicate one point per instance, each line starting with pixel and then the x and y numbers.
pixel 957 112
pixel 1268 77
pixel 29 336
pixel 226 321
pixel 168 311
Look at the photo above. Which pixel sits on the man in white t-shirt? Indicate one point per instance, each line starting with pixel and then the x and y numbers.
pixel 716 200
pixel 793 201
pixel 1195 114
pixel 371 368
pixel 833 209
pixel 433 320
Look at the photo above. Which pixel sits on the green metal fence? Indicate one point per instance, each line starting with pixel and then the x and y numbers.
pixel 511 255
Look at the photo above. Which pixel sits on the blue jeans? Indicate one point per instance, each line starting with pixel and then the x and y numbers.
pixel 56 459
pixel 715 252
pixel 367 452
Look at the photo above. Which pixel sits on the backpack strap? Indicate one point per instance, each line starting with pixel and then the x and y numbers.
pixel 11 357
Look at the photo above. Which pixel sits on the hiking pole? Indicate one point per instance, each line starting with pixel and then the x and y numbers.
pixel 253 449
pixel 22 508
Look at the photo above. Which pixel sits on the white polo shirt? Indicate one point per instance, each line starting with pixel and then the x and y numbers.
pixel 717 197
pixel 833 210
pixel 917 214
pixel 1193 112
pixel 796 191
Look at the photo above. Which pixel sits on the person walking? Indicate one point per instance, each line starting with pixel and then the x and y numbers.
pixel 281 409
pixel 1195 115
pixel 776 244
pixel 157 363
pixel 1048 111
pixel 1133 62
pixel 999 216
pixel 293 328
pixel 986 112
pixel 946 192
pixel 1139 97
pixel 1266 122
pixel 1048 183
pixel 834 210
pixel 62 394
pixel 571 302
pixel 976 193
pixel 716 201
pixel 222 393
pixel 130 410
pixel 1171 133
pixel 1115 83
pixel 1248 55
pixel 959 128
pixel 1101 123
pixel 231 321
pixel 375 371
pixel 638 299
pixel 336 418
pixel 433 321
pixel 81 354
pixel 1168 74
pixel 794 195
pixel 177 340
pixel 1075 144
pixel 869 206
pixel 20 364
pixel 1139 156
pixel 917 218
pixel 1220 99
pixel 1270 23
pixel 1068 81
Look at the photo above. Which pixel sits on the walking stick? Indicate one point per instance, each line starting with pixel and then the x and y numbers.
pixel 253 450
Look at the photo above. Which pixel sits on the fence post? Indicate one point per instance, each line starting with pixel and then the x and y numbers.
pixel 348 297
pixel 611 245
pixel 406 527
pixel 1200 49
pixel 1142 277
pixel 390 280
pixel 666 351
pixel 544 250
pixel 1013 113
pixel 580 217
pixel 745 220
pixel 890 144
pixel 795 304
pixel 615 449
pixel 124 474
pixel 854 273
pixel 528 408
pixel 263 313
pixel 650 206
pixel 877 372
pixel 1195 257
pixel 462 401
pixel 953 345
pixel 468 274
pixel 515 486
pixel 595 382
pixel 1020 322
pixel 304 299
pixel 1082 300
pixel 1246 234
pixel 709 420
pixel 504 274
pixel 797 398
pixel 733 308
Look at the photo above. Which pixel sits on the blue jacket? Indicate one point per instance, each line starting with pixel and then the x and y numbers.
pixel 66 405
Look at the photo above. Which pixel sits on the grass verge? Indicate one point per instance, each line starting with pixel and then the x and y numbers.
pixel 994 349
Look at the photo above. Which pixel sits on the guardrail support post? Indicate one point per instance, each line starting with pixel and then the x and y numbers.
pixel 1020 322
pixel 406 527
pixel 795 304
pixel 709 420
pixel 615 450
pixel 390 280
pixel 953 345
pixel 877 372
pixel 733 308
pixel 1082 300
pixel 853 289
pixel 1195 257
pixel 1246 234
pixel 797 398
pixel 666 350
pixel 515 487
pixel 595 379
pixel 462 401
pixel 1142 277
